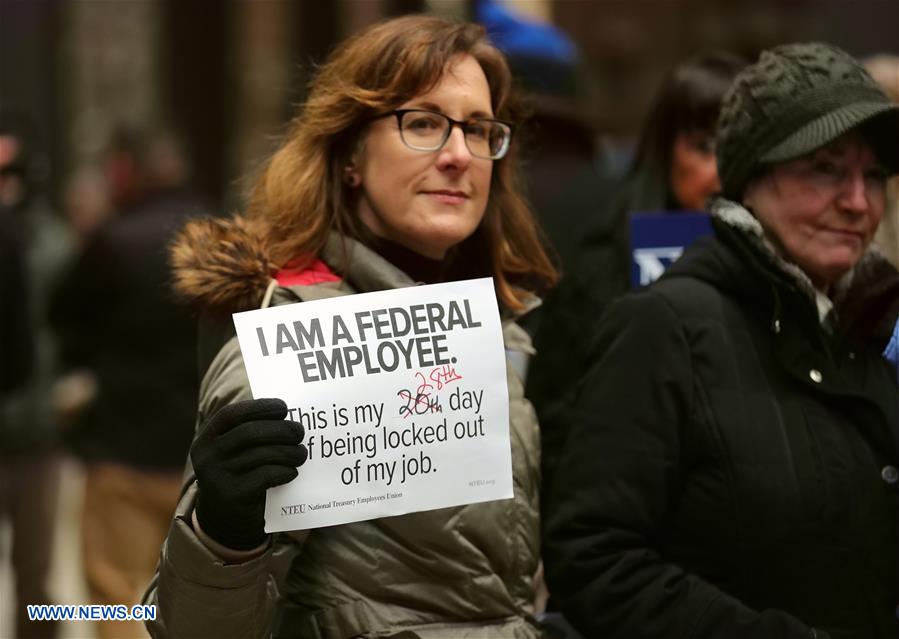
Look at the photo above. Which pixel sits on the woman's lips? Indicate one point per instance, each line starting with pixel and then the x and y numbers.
pixel 848 235
pixel 448 197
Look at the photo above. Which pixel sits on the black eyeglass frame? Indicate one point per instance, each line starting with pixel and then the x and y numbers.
pixel 399 113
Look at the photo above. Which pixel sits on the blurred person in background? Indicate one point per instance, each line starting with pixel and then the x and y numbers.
pixel 399 169
pixel 560 164
pixel 674 164
pixel 134 349
pixel 731 469
pixel 885 70
pixel 673 170
pixel 29 430
pixel 31 522
pixel 562 172
pixel 16 339
pixel 86 201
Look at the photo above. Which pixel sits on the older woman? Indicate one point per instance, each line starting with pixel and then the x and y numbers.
pixel 398 169
pixel 732 469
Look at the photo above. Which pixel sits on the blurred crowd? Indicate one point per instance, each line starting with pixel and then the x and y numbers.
pixel 98 359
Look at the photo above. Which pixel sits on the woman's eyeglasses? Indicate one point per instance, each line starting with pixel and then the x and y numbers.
pixel 423 130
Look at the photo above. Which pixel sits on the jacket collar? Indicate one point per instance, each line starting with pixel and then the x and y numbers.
pixel 744 222
pixel 361 267
pixel 742 262
pixel 366 270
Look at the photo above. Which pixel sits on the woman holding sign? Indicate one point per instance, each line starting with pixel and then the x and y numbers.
pixel 732 470
pixel 398 169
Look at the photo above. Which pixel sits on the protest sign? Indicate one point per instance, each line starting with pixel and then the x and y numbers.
pixel 402 394
pixel 658 239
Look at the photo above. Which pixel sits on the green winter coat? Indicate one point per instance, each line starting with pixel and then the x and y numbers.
pixel 456 572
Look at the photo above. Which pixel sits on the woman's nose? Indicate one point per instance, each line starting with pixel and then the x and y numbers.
pixel 455 153
pixel 854 195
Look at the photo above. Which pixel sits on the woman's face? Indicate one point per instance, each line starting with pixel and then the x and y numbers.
pixel 427 201
pixel 822 209
pixel 694 173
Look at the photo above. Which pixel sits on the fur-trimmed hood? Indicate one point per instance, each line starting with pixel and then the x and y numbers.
pixel 220 265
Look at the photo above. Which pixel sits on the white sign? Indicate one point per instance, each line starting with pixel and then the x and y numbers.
pixel 402 394
pixel 653 261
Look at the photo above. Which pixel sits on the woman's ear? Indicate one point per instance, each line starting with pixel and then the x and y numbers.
pixel 351 176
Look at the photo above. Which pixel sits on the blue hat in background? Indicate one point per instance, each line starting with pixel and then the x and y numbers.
pixel 543 59
pixel 515 35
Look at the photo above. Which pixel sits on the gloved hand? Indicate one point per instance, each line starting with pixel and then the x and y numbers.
pixel 242 450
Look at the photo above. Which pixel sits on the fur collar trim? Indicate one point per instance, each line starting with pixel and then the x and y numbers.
pixel 220 266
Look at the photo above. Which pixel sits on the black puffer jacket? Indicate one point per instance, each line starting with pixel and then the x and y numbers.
pixel 115 316
pixel 731 466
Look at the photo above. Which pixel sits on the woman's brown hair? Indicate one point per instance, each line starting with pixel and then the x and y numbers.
pixel 301 196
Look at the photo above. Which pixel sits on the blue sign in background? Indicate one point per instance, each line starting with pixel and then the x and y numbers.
pixel 658 239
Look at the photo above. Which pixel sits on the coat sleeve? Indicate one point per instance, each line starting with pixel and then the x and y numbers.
pixel 195 592
pixel 617 482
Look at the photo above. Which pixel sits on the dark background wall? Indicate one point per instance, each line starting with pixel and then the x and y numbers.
pixel 229 74
pixel 629 44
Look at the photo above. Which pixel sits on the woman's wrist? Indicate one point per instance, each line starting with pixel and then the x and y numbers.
pixel 229 555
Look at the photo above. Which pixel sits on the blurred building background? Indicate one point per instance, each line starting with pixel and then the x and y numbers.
pixel 227 74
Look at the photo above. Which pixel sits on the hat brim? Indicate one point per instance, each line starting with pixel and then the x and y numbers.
pixel 829 127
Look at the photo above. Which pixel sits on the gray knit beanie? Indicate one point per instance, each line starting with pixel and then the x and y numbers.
pixel 794 100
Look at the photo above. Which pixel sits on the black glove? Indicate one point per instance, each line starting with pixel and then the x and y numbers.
pixel 242 450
